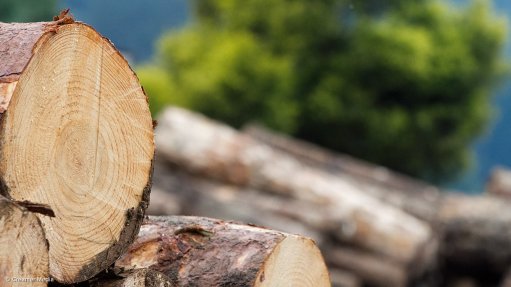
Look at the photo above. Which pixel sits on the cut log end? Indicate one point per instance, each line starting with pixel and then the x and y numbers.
pixel 27 252
pixel 77 136
pixel 295 261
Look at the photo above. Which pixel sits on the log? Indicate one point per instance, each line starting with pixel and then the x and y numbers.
pixel 76 134
pixel 473 229
pixel 136 278
pixel 203 197
pixel 408 194
pixel 194 251
pixel 205 147
pixel 24 249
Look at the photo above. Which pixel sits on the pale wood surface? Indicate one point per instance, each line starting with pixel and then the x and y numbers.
pixel 23 247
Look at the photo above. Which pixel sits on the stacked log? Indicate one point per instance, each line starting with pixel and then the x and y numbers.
pixel 24 252
pixel 194 251
pixel 380 228
pixel 76 150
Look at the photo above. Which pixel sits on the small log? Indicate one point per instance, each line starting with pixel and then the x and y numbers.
pixel 77 136
pixel 136 278
pixel 23 247
pixel 194 251
pixel 206 147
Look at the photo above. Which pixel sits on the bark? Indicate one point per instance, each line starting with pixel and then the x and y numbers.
pixel 23 247
pixel 75 135
pixel 204 147
pixel 17 44
pixel 194 251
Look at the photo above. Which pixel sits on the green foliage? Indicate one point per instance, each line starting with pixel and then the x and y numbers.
pixel 27 10
pixel 217 69
pixel 405 84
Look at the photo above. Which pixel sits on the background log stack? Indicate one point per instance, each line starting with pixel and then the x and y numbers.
pixel 375 227
pixel 76 162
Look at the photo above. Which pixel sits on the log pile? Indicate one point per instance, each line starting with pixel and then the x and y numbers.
pixel 76 165
pixel 375 228
pixel 76 169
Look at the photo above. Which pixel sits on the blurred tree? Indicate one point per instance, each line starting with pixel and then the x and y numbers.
pixel 27 10
pixel 405 84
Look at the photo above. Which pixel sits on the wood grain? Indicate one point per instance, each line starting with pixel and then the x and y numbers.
pixel 76 136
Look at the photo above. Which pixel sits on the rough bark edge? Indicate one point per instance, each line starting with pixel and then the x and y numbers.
pixel 22 58
pixel 134 216
pixel 33 31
